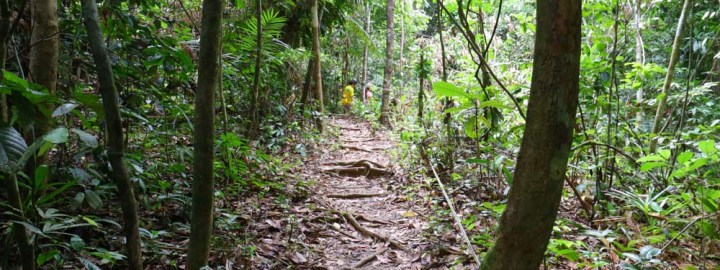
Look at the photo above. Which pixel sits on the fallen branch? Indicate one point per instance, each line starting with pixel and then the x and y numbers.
pixel 355 195
pixel 370 258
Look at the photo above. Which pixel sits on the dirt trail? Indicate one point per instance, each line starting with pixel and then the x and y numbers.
pixel 371 193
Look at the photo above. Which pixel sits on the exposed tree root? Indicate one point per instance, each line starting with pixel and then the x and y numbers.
pixel 359 168
pixel 355 195
pixel 354 163
pixel 357 148
pixel 358 171
pixel 363 217
pixel 351 128
pixel 372 234
pixel 357 141
pixel 370 258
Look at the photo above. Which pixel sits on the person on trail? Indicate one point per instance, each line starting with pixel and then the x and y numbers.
pixel 368 93
pixel 347 95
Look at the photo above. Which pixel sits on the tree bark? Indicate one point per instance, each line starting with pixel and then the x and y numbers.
pixel 526 223
pixel 674 56
pixel 115 145
pixel 203 155
pixel 316 65
pixel 306 91
pixel 258 61
pixel 43 64
pixel 387 82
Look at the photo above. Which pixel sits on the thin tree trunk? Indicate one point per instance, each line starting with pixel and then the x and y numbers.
pixel 402 51
pixel 527 222
pixel 43 64
pixel 387 82
pixel 258 61
pixel 674 56
pixel 640 58
pixel 116 147
pixel 368 9
pixel 306 91
pixel 203 155
pixel 27 252
pixel 448 102
pixel 346 63
pixel 421 92
pixel 4 37
pixel 316 66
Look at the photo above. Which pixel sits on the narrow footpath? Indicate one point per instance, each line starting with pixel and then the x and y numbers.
pixel 377 226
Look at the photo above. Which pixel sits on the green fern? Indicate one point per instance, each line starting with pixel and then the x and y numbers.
pixel 272 24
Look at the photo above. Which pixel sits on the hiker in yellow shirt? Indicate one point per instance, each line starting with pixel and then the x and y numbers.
pixel 347 95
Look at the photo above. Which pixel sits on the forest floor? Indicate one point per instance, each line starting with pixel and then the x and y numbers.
pixel 357 214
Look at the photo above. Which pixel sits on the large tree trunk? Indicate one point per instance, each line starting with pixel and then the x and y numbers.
pixel 387 82
pixel 526 223
pixel 258 61
pixel 115 145
pixel 368 8
pixel 43 63
pixel 316 64
pixel 203 155
pixel 674 56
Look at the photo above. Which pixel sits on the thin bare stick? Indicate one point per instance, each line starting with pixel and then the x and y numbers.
pixel 457 219
pixel 370 258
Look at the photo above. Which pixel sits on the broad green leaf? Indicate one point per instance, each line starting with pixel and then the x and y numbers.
pixel 88 139
pixel 476 161
pixel 57 136
pixel 650 158
pixel 12 146
pixel 569 254
pixel 44 257
pixel 708 229
pixel 684 157
pixel 446 89
pixel 651 165
pixel 493 103
pixel 64 109
pixel 665 154
pixel 93 199
pixel 707 147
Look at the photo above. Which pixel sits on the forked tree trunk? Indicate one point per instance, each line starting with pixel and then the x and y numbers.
pixel 115 145
pixel 316 64
pixel 43 63
pixel 202 187
pixel 387 82
pixel 527 222
pixel 674 56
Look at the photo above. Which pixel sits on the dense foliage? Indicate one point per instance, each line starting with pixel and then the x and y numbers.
pixel 639 193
